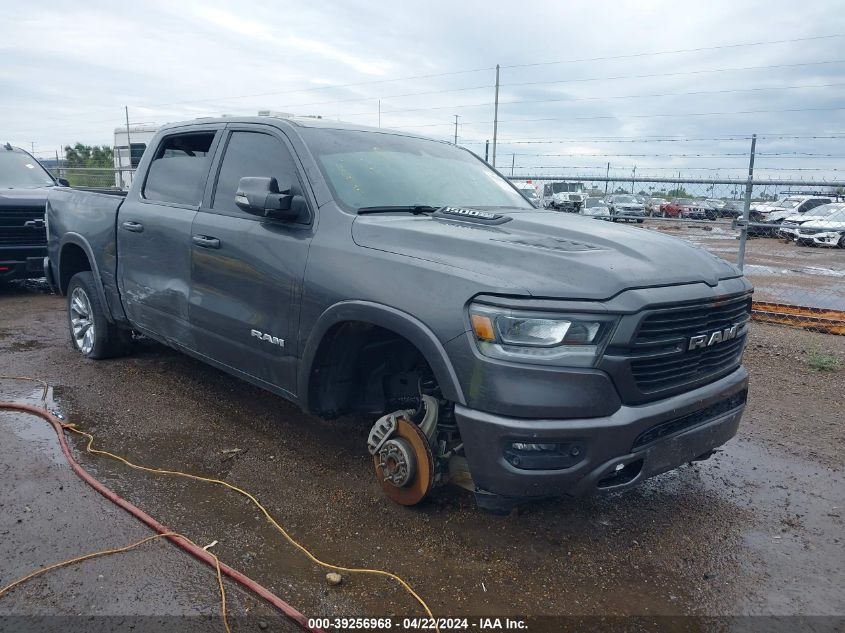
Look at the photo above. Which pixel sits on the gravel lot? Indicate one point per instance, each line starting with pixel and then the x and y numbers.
pixel 757 529
pixel 782 272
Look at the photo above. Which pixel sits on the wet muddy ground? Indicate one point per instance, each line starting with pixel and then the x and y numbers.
pixel 757 529
pixel 781 271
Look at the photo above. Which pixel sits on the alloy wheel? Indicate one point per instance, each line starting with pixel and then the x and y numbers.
pixel 81 321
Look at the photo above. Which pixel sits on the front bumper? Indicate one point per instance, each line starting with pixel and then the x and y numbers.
pixel 829 238
pixel 609 453
pixel 21 269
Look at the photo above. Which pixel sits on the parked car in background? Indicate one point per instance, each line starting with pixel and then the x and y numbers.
pixel 731 209
pixel 711 212
pixel 775 213
pixel 684 208
pixel 24 184
pixel 789 227
pixel 596 208
pixel 828 231
pixel 529 191
pixel 625 207
pixel 652 205
pixel 564 196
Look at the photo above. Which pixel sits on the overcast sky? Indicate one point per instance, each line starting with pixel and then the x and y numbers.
pixel 68 69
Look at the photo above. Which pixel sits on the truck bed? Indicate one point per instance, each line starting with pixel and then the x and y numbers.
pixel 87 219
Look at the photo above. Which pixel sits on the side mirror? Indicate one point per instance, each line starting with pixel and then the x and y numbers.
pixel 63 182
pixel 261 196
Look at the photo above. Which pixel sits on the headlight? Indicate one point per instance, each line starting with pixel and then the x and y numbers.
pixel 542 338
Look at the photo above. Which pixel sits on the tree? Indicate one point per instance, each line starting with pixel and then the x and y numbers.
pixel 678 192
pixel 89 156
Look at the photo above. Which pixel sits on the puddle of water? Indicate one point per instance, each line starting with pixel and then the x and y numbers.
pixel 796 539
pixel 36 431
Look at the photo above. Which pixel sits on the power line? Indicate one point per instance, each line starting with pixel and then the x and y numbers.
pixel 676 74
pixel 723 155
pixel 480 87
pixel 651 139
pixel 639 116
pixel 674 52
pixel 603 98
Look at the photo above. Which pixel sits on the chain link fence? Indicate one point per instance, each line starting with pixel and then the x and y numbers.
pixel 788 235
pixel 94 177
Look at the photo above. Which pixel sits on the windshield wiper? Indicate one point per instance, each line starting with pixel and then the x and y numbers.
pixel 416 209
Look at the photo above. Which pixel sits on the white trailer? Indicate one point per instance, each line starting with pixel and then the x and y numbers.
pixel 129 146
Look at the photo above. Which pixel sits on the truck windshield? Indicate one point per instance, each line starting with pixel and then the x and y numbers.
pixel 20 170
pixel 567 187
pixel 373 169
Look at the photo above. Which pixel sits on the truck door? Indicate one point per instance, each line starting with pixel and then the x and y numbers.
pixel 154 236
pixel 247 271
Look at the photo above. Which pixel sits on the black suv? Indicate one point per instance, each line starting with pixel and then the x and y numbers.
pixel 24 184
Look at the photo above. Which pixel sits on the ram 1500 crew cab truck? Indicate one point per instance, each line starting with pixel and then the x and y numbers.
pixel 521 352
pixel 24 184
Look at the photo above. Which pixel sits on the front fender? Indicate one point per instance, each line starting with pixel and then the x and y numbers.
pixel 390 318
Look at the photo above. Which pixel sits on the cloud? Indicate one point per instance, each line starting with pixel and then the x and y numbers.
pixel 67 79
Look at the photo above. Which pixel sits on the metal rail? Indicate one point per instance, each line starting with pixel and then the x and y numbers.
pixel 814 319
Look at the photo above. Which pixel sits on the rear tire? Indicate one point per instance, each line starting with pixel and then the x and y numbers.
pixel 91 333
pixel 842 241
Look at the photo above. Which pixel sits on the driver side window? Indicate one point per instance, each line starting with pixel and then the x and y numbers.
pixel 253 154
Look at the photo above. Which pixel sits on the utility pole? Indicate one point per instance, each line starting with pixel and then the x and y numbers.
pixel 513 163
pixel 487 151
pixel 456 128
pixel 633 176
pixel 32 145
pixel 746 206
pixel 496 117
pixel 607 178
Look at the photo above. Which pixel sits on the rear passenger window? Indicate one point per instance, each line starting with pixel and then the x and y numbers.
pixel 252 154
pixel 178 169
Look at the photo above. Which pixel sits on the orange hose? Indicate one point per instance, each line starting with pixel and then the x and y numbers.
pixel 191 548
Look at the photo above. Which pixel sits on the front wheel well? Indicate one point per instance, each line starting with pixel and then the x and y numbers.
pixel 72 260
pixel 365 369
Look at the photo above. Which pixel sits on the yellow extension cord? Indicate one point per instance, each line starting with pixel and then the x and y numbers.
pixel 175 473
pixel 119 550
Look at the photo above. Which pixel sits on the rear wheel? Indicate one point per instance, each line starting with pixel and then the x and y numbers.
pixel 91 333
pixel 842 241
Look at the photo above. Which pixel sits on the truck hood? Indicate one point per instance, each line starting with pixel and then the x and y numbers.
pixel 24 197
pixel 547 254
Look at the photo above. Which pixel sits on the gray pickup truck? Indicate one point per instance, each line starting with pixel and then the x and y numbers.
pixel 518 352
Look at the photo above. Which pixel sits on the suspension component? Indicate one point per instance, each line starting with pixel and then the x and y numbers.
pixel 401 450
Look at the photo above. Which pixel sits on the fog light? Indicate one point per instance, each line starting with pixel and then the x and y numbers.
pixel 544 455
pixel 522 446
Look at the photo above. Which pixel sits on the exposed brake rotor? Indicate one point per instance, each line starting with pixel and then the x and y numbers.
pixel 404 463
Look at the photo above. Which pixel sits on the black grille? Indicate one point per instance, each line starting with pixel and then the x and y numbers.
pixel 665 429
pixel 671 330
pixel 13 231
pixel 673 370
pixel 671 324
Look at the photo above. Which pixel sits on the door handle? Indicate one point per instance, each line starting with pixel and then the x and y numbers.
pixel 135 227
pixel 206 242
